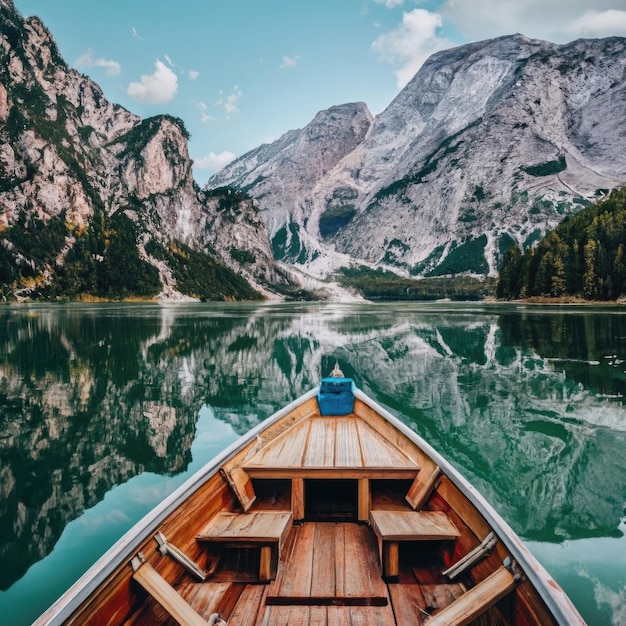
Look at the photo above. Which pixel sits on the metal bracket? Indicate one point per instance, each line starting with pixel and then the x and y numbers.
pixel 513 567
pixel 137 561
pixel 167 549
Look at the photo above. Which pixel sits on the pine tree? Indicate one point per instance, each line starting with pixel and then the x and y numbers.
pixel 584 256
pixel 510 278
pixel 590 277
pixel 619 271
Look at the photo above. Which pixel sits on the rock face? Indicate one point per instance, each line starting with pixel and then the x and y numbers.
pixel 71 158
pixel 299 160
pixel 490 143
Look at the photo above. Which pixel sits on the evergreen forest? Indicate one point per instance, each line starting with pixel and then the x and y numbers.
pixel 583 257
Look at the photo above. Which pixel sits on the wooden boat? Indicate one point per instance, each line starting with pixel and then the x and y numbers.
pixel 329 512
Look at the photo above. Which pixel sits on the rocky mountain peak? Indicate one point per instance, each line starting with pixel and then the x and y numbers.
pixel 298 160
pixel 491 143
pixel 95 200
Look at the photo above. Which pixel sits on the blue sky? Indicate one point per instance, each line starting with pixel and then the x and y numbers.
pixel 243 72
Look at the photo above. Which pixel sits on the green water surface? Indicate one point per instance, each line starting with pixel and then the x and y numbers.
pixel 105 409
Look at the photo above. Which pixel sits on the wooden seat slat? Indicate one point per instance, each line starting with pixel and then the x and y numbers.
pixel 413 525
pixel 320 449
pixel 377 451
pixel 167 596
pixel 390 472
pixel 477 600
pixel 329 443
pixel 347 447
pixel 259 527
pixel 283 451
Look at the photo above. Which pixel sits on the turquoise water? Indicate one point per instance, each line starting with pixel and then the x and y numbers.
pixel 105 409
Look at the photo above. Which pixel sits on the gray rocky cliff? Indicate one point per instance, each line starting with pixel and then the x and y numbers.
pixel 298 161
pixel 491 143
pixel 70 162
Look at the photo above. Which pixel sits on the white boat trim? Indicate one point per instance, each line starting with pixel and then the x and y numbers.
pixel 126 547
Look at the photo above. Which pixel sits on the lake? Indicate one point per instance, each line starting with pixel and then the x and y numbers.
pixel 106 408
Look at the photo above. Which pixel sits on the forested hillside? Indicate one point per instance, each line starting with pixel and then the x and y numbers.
pixel 97 203
pixel 584 256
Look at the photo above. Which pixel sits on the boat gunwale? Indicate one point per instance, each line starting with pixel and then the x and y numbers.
pixel 128 544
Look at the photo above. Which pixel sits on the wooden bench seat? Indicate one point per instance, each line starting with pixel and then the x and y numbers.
pixel 264 529
pixel 477 600
pixel 393 527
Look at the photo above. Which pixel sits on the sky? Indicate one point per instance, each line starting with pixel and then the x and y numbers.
pixel 240 73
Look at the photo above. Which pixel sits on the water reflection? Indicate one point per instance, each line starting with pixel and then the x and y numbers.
pixel 590 349
pixel 524 402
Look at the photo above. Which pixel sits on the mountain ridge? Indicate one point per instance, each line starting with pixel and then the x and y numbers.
pixel 72 165
pixel 491 143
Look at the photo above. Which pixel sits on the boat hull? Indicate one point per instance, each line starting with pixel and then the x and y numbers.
pixel 361 484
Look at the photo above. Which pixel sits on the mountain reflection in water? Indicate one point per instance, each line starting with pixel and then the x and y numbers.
pixel 526 401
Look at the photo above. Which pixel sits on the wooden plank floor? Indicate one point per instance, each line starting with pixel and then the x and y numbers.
pixel 413 603
pixel 205 598
pixel 321 587
pixel 314 578
pixel 327 616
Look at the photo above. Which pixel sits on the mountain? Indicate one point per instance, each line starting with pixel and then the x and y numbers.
pixel 95 200
pixel 490 144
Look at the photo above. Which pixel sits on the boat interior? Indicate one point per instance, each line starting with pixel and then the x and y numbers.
pixel 323 519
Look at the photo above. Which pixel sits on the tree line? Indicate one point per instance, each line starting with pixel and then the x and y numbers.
pixel 584 256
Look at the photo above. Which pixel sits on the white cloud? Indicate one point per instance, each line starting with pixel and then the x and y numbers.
pixel 214 162
pixel 111 68
pixel 289 62
pixel 135 34
pixel 205 117
pixel 599 24
pixel 156 88
pixel 557 20
pixel 230 103
pixel 390 4
pixel 411 43
pixel 193 74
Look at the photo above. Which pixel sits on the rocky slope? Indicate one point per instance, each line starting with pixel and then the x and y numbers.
pixel 71 164
pixel 490 143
